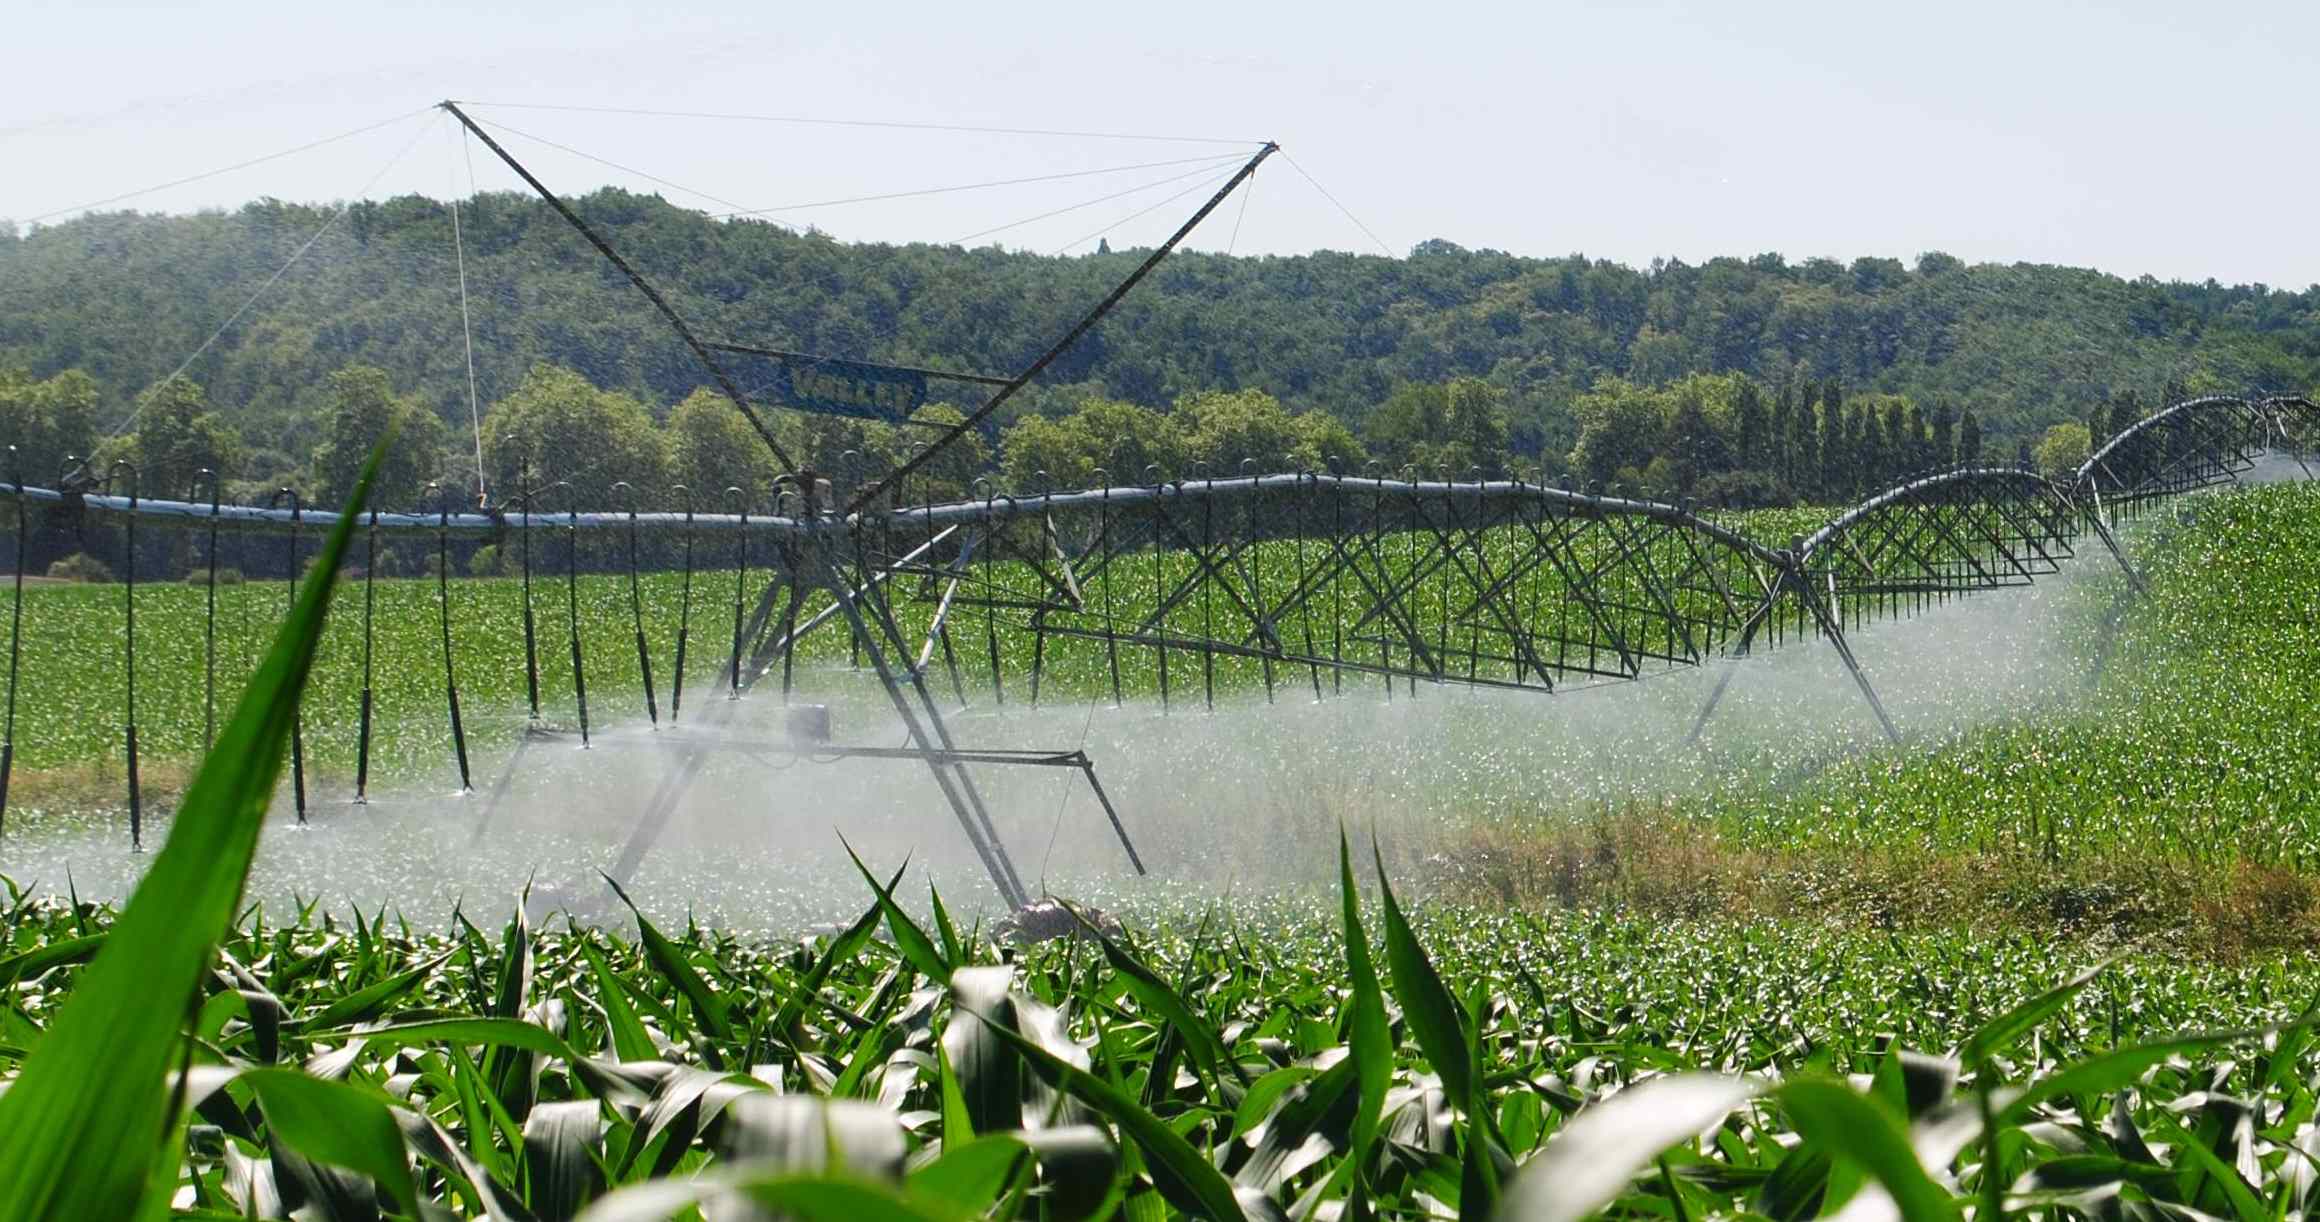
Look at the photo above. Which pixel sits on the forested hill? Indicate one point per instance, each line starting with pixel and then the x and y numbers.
pixel 125 297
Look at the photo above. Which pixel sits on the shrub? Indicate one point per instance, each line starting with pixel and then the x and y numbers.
pixel 81 566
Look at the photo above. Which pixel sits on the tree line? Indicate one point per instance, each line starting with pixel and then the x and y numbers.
pixel 1551 345
pixel 562 442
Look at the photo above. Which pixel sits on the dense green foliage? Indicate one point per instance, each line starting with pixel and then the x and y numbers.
pixel 2195 742
pixel 1349 1060
pixel 1554 346
pixel 1557 1063
pixel 2199 744
pixel 105 1051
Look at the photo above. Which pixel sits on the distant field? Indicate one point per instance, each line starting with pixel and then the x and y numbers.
pixel 2201 743
pixel 74 693
pixel 2197 745
pixel 1866 948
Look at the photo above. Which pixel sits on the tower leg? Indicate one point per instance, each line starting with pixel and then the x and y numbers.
pixel 1747 637
pixel 1836 635
pixel 2134 579
pixel 927 730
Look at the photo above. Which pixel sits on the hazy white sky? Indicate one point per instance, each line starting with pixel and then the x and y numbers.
pixel 2135 137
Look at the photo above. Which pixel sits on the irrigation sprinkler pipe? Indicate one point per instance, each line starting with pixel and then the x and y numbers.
pixel 652 710
pixel 15 635
pixel 297 701
pixel 362 756
pixel 684 611
pixel 442 497
pixel 572 611
pixel 997 509
pixel 740 582
pixel 524 492
pixel 209 620
pixel 129 650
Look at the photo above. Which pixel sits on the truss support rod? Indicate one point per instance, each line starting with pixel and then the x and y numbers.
pixel 507 778
pixel 724 380
pixel 1068 759
pixel 1088 767
pixel 1731 668
pixel 2118 612
pixel 1828 623
pixel 882 613
pixel 934 630
pixel 662 806
pixel 1004 393
pixel 790 639
pixel 2134 579
pixel 2108 643
pixel 957 787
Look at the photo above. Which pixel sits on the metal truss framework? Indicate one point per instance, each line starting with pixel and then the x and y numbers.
pixel 1298 579
pixel 2195 444
pixel 1303 584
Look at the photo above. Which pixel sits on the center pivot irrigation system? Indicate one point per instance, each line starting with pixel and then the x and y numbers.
pixel 1313 583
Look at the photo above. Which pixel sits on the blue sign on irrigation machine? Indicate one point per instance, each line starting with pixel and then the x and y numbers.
pixel 848 388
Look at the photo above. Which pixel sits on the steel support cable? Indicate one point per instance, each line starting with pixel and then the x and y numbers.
pixel 129 656
pixel 1085 324
pixel 1384 249
pixel 684 611
pixel 15 633
pixel 572 609
pixel 1068 209
pixel 442 497
pixel 636 610
pixel 700 351
pixel 239 165
pixel 614 165
pixel 1214 159
pixel 1063 803
pixel 467 328
pixel 1233 243
pixel 1137 215
pixel 146 399
pixel 362 756
pixel 209 619
pixel 811 121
